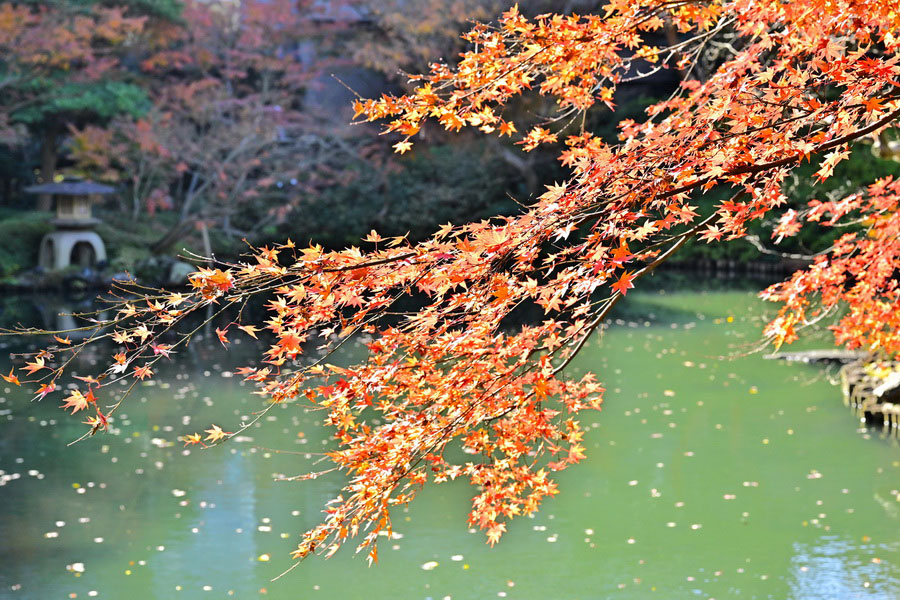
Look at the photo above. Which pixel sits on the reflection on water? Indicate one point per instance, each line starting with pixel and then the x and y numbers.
pixel 219 528
pixel 711 473
pixel 50 312
pixel 834 567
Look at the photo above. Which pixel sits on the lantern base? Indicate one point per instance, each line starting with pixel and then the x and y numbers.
pixel 61 249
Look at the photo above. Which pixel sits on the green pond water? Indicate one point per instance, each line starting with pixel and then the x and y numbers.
pixel 712 473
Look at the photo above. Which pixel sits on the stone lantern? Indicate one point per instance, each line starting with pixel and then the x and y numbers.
pixel 73 242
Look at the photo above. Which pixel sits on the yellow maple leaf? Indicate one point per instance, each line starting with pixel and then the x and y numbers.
pixel 215 434
pixel 402 147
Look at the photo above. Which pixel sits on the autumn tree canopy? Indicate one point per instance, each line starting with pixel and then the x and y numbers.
pixel 65 64
pixel 791 82
pixel 226 121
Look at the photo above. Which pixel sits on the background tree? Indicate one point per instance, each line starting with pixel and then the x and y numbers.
pixel 447 366
pixel 228 141
pixel 67 63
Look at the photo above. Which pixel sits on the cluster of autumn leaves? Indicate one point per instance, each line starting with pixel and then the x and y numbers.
pixel 806 79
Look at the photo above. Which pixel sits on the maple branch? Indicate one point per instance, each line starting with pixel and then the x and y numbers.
pixel 750 169
pixel 614 299
pixel 372 263
pixel 610 302
pixel 758 168
pixel 754 241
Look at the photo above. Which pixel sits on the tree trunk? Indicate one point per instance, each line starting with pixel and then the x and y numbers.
pixel 175 233
pixel 207 247
pixel 184 224
pixel 48 164
pixel 672 40
pixel 7 191
pixel 525 166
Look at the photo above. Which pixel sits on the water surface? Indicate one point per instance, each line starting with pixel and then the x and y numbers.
pixel 712 473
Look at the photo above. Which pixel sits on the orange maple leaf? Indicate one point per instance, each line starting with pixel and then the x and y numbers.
pixel 193 438
pixel 624 283
pixel 289 343
pixel 97 422
pixel 622 253
pixel 507 128
pixel 89 379
pixel 11 378
pixel 873 104
pixel 222 280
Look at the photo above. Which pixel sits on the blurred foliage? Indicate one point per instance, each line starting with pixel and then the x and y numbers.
pixel 16 310
pixel 851 175
pixel 433 185
pixel 164 9
pixel 21 232
pixel 99 101
pixel 127 241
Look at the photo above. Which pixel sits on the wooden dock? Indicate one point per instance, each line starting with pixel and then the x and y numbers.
pixel 832 355
pixel 871 387
pixel 872 391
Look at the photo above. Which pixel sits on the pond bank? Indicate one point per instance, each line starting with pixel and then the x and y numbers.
pixel 164 271
pixel 730 267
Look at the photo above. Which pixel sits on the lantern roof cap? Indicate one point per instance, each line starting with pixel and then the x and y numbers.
pixel 71 186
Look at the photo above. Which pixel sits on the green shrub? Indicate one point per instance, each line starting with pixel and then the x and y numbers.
pixel 20 239
pixel 432 186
